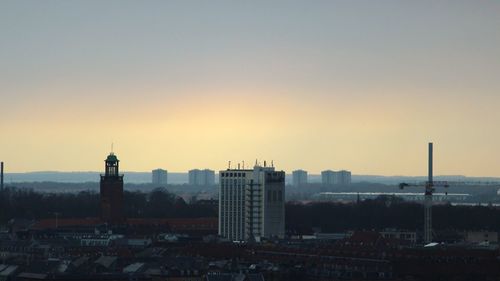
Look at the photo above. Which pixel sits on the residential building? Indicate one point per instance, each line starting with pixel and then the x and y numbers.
pixel 327 177
pixel 299 177
pixel 159 177
pixel 251 203
pixel 204 177
pixel 343 177
pixel 408 236
pixel 330 177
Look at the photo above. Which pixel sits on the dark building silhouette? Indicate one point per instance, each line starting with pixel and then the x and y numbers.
pixel 111 191
pixel 1 176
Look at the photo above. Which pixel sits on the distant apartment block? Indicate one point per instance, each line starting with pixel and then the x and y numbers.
pixel 159 177
pixel 330 177
pixel 327 177
pixel 299 177
pixel 251 203
pixel 204 177
pixel 344 177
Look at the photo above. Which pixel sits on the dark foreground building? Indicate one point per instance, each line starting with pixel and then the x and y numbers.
pixel 111 191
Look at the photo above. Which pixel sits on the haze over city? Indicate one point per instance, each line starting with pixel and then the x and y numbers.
pixel 358 85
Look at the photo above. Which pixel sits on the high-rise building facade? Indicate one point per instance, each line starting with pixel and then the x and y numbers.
pixel 327 177
pixel 299 177
pixel 251 203
pixel 330 177
pixel 159 177
pixel 111 191
pixel 344 177
pixel 199 177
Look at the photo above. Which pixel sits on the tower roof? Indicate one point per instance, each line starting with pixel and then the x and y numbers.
pixel 112 158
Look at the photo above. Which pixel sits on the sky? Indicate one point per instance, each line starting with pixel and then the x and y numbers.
pixel 356 85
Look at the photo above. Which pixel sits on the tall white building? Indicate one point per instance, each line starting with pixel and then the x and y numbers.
pixel 330 177
pixel 299 177
pixel 204 177
pixel 251 203
pixel 159 177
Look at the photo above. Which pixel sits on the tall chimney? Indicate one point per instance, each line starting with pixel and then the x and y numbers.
pixel 430 163
pixel 1 176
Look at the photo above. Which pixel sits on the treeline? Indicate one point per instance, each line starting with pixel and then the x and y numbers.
pixel 387 212
pixel 383 212
pixel 72 187
pixel 159 203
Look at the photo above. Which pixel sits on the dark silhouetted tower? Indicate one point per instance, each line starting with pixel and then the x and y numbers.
pixel 112 191
pixel 1 176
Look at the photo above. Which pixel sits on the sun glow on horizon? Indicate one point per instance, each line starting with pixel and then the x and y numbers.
pixel 317 86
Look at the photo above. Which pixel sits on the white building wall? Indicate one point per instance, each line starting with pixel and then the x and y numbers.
pixel 251 203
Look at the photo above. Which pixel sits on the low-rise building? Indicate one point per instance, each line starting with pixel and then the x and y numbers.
pixel 408 236
pixel 478 237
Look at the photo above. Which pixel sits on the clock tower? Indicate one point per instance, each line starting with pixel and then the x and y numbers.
pixel 111 191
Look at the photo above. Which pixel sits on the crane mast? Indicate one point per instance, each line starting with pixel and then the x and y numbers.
pixel 429 189
pixel 429 186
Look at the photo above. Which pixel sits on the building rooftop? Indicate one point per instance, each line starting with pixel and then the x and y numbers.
pixel 7 270
pixel 133 268
pixel 106 261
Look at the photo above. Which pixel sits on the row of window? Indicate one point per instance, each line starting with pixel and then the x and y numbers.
pixel 224 184
pixel 228 174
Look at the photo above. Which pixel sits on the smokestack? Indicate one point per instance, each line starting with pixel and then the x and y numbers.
pixel 430 163
pixel 1 176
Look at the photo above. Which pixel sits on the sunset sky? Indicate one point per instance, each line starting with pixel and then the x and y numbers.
pixel 357 85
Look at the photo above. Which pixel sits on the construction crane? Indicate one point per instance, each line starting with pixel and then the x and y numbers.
pixel 429 190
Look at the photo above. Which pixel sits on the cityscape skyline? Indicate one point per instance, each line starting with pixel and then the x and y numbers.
pixel 330 84
pixel 249 140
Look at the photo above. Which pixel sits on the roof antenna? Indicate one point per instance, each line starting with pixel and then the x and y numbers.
pixel 229 168
pixel 272 163
pixel 256 162
pixel 112 145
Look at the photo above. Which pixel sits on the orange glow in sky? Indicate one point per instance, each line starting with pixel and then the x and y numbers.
pixel 176 85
